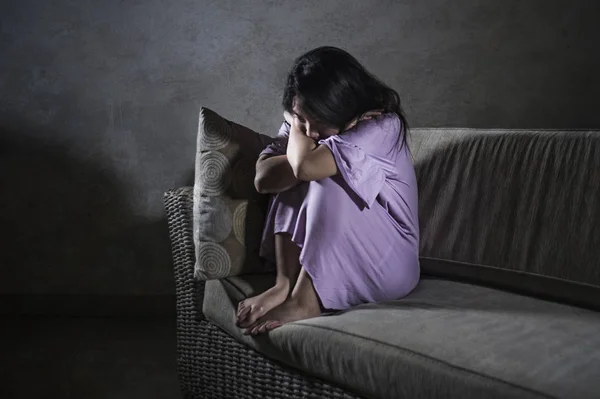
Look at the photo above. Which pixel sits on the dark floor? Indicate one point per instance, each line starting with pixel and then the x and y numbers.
pixel 88 358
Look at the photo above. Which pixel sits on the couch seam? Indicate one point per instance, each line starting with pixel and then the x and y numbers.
pixel 239 290
pixel 574 282
pixel 503 130
pixel 432 359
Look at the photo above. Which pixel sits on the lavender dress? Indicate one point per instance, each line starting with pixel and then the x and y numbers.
pixel 358 230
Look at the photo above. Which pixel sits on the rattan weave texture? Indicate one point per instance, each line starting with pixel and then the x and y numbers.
pixel 211 364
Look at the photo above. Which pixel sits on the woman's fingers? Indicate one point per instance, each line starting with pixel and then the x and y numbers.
pixel 373 113
pixel 351 124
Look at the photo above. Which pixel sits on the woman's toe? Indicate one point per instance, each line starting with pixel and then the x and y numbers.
pixel 248 330
pixel 241 306
pixel 254 330
pixel 250 327
pixel 263 328
pixel 273 325
pixel 242 318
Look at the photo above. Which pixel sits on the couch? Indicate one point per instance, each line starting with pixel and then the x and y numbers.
pixel 507 306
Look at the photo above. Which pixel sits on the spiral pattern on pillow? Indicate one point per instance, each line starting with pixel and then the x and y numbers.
pixel 214 173
pixel 214 259
pixel 239 222
pixel 214 219
pixel 214 132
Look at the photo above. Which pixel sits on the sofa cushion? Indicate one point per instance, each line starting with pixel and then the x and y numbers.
pixel 520 201
pixel 228 212
pixel 446 339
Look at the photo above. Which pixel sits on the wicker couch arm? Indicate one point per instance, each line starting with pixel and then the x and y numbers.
pixel 190 292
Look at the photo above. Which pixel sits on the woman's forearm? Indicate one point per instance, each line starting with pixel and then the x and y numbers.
pixel 274 175
pixel 299 146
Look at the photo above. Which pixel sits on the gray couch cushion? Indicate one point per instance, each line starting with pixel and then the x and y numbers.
pixel 522 201
pixel 446 339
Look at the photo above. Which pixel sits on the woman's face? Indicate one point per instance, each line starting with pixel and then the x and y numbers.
pixel 316 130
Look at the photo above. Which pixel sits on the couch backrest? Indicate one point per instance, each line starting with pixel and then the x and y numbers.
pixel 519 209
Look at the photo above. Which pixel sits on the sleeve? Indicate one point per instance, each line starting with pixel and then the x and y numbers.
pixel 365 155
pixel 279 145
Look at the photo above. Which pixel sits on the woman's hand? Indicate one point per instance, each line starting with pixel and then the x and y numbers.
pixel 289 118
pixel 299 144
pixel 296 128
pixel 308 160
pixel 366 116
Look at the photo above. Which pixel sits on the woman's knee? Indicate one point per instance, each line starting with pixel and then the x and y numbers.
pixel 294 195
pixel 316 197
pixel 332 191
pixel 330 187
pixel 327 203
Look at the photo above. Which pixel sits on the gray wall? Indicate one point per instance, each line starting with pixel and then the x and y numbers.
pixel 99 103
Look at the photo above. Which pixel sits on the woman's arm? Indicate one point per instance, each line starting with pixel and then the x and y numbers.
pixel 274 174
pixel 308 160
pixel 304 161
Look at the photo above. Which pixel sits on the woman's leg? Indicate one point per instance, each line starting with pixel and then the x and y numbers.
pixel 288 268
pixel 302 304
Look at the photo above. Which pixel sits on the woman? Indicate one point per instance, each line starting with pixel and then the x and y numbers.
pixel 342 224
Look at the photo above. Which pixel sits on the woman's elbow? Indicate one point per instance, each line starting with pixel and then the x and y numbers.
pixel 298 170
pixel 259 184
pixel 302 173
pixel 264 184
pixel 302 176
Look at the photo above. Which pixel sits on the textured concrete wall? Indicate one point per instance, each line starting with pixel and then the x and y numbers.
pixel 99 102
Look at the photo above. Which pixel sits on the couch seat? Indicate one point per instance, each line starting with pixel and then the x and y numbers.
pixel 446 339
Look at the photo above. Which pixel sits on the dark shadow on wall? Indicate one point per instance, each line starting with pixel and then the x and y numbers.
pixel 71 239
pixel 189 179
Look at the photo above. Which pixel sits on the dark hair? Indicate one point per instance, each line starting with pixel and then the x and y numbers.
pixel 332 87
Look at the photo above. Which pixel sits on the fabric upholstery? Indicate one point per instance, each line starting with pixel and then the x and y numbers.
pixel 228 212
pixel 524 201
pixel 445 340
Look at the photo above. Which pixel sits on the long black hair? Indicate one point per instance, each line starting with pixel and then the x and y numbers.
pixel 332 87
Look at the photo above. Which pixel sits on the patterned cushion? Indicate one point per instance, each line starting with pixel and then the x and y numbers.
pixel 228 212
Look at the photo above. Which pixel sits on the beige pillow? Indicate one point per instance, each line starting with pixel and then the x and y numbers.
pixel 228 212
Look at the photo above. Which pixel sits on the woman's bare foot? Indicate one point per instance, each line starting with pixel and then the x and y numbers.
pixel 290 310
pixel 250 309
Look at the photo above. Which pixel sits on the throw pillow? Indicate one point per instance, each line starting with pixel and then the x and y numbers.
pixel 228 212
